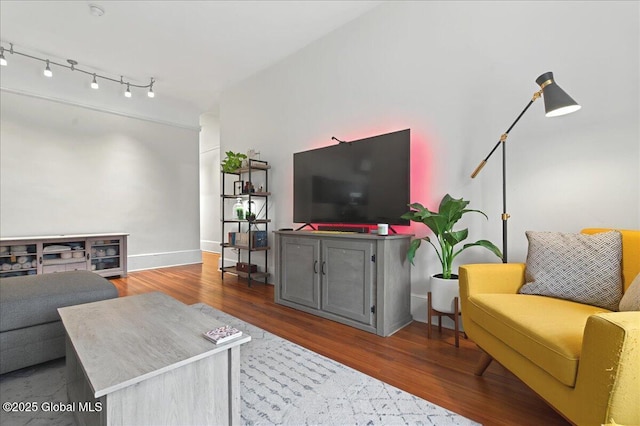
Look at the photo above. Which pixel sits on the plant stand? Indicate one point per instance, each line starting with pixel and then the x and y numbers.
pixel 444 300
pixel 455 316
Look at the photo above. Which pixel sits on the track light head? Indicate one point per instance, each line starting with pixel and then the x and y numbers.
pixel 150 92
pixel 94 83
pixel 3 61
pixel 47 71
pixel 127 93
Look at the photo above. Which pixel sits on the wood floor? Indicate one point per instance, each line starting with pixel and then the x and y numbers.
pixel 433 369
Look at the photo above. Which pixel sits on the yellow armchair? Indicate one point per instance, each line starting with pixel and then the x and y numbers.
pixel 583 360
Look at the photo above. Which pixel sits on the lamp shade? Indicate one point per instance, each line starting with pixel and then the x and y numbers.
pixel 556 100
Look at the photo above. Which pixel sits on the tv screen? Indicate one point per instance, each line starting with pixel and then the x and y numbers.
pixel 359 182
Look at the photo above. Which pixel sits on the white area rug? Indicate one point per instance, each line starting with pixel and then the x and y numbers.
pixel 281 384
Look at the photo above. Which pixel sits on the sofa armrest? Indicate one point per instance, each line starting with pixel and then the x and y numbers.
pixel 491 278
pixel 609 368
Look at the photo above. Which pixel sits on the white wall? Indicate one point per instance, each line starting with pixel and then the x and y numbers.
pixel 65 169
pixel 458 74
pixel 210 182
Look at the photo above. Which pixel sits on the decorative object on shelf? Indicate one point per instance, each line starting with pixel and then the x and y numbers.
pixel 250 239
pixel 252 154
pixel 238 210
pixel 72 65
pixel 258 239
pixel 556 103
pixel 246 267
pixel 250 209
pixel 248 188
pixel 238 187
pixel 253 159
pixel 232 162
pixel 444 286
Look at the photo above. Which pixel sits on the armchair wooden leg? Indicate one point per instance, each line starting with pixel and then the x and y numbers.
pixel 483 363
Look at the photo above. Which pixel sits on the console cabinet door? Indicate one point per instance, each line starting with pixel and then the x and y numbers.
pixel 300 268
pixel 347 279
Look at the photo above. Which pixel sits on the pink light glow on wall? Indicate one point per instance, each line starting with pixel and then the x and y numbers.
pixel 422 168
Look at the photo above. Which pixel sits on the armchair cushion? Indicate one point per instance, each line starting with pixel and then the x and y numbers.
pixel 552 342
pixel 578 267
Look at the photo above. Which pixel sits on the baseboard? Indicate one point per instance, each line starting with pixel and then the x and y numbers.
pixel 227 262
pixel 140 262
pixel 212 246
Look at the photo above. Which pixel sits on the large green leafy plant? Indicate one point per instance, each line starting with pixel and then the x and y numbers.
pixel 232 162
pixel 441 223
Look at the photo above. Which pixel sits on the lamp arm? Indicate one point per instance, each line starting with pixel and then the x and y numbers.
pixel 504 136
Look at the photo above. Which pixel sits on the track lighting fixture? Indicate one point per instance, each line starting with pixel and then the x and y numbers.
pixel 73 67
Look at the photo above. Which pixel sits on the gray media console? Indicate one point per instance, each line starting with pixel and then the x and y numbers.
pixel 361 280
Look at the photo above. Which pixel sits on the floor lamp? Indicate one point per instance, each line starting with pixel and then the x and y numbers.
pixel 556 103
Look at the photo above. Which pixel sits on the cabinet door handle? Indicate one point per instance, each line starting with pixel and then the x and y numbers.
pixel 323 265
pixel 315 266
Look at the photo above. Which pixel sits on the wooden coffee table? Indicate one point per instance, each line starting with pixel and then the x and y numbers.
pixel 143 360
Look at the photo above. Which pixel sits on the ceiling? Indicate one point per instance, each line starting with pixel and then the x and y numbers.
pixel 193 49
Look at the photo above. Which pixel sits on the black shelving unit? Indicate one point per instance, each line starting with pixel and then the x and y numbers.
pixel 248 225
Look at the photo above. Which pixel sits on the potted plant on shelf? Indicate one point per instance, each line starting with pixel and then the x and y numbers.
pixel 232 162
pixel 444 286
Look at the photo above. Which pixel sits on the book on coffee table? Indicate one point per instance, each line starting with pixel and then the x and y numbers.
pixel 222 334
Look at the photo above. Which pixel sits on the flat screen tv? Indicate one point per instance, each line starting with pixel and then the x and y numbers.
pixel 360 182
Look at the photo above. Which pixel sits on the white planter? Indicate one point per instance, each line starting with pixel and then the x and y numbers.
pixel 443 292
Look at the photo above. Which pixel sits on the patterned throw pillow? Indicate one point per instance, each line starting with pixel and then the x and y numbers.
pixel 631 299
pixel 578 267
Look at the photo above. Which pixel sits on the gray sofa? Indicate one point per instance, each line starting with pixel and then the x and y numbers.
pixel 30 328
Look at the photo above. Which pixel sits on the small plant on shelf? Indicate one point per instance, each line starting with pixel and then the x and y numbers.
pixel 232 162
